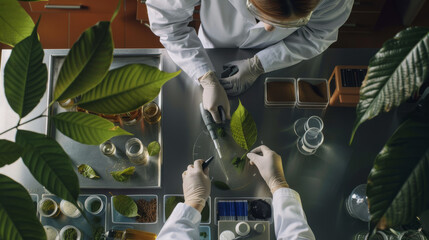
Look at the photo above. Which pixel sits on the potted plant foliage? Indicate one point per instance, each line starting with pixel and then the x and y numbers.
pixel 398 183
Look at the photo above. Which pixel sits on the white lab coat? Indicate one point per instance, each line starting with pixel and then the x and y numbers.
pixel 228 24
pixel 290 222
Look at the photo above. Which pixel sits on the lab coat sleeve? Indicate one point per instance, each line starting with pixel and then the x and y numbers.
pixel 289 218
pixel 182 224
pixel 169 20
pixel 308 41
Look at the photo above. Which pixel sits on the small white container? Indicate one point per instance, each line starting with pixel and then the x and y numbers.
pixel 51 232
pixel 65 205
pixel 64 229
pixel 54 213
pixel 91 199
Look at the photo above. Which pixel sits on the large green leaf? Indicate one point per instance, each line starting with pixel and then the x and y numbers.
pixel 243 128
pixel 25 75
pixel 394 73
pixel 126 89
pixel 125 206
pixel 9 152
pixel 15 23
pixel 49 164
pixel 87 128
pixel 398 183
pixel 17 213
pixel 87 62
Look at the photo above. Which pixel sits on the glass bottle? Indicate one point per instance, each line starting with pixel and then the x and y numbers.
pixel 151 113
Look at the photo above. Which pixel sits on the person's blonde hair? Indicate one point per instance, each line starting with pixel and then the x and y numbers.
pixel 284 9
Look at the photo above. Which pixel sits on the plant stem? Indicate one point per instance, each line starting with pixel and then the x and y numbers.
pixel 20 124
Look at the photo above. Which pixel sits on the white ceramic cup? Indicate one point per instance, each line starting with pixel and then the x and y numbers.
pixel 75 214
pixel 64 229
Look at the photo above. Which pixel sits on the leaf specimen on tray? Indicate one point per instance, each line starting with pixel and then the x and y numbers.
pixel 87 171
pixel 221 185
pixel 153 148
pixel 25 75
pixel 125 89
pixel 87 128
pixel 243 128
pixel 396 71
pixel 9 152
pixel 125 206
pixel 123 175
pixel 18 213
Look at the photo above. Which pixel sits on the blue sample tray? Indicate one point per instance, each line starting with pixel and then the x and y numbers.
pixel 205 229
pixel 118 218
pixel 80 222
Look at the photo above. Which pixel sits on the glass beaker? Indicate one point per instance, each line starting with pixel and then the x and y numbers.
pixel 136 151
pixel 357 203
pixel 310 141
pixel 108 148
pixel 301 125
pixel 151 113
pixel 379 235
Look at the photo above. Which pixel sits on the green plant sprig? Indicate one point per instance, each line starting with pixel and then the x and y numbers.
pixel 21 124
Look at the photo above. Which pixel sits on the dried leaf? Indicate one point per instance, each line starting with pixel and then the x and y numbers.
pixel 123 175
pixel 153 148
pixel 87 171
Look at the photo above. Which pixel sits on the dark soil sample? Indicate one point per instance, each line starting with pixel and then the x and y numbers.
pixel 146 210
pixel 260 209
pixel 312 93
pixel 280 92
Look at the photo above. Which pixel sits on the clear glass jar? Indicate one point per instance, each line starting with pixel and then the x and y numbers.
pixel 151 113
pixel 136 151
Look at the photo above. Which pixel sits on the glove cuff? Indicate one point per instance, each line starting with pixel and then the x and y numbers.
pixel 256 67
pixel 209 79
pixel 276 183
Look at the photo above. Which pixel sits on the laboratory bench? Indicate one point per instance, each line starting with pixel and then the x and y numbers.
pixel 323 180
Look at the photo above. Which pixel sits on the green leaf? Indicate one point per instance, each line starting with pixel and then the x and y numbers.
pixel 239 163
pixel 25 75
pixel 9 152
pixel 125 206
pixel 15 23
pixel 125 89
pixel 397 185
pixel 87 62
pixel 118 7
pixel 87 171
pixel 221 185
pixel 49 164
pixel 171 203
pixel 153 148
pixel 394 74
pixel 123 175
pixel 243 128
pixel 87 128
pixel 17 213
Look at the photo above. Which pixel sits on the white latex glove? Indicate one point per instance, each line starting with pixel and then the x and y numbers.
pixel 214 96
pixel 196 185
pixel 270 167
pixel 248 71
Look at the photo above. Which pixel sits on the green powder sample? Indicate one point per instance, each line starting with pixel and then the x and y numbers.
pixel 70 234
pixel 95 205
pixel 48 207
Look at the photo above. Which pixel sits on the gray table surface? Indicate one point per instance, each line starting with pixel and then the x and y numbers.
pixel 323 180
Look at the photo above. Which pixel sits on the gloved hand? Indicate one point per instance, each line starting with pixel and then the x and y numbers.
pixel 196 185
pixel 214 96
pixel 270 167
pixel 248 71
